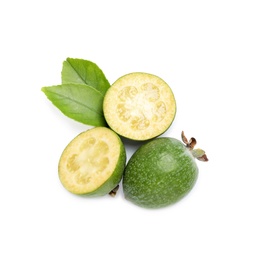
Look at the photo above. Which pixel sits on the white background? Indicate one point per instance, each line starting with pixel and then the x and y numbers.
pixel 207 51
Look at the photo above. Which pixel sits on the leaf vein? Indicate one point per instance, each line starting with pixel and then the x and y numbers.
pixel 76 101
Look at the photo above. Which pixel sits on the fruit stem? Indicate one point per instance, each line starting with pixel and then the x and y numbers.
pixel 197 153
pixel 113 192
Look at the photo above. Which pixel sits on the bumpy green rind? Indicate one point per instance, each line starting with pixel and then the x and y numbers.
pixel 160 173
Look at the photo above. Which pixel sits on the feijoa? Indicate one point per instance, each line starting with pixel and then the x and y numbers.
pixel 161 172
pixel 93 162
pixel 139 106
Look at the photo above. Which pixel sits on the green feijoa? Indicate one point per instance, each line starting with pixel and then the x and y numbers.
pixel 92 164
pixel 161 172
pixel 139 106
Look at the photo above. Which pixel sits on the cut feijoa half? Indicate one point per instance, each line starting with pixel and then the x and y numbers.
pixel 139 106
pixel 161 172
pixel 93 162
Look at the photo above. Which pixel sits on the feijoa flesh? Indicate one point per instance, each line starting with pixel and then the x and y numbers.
pixel 139 106
pixel 92 164
pixel 161 172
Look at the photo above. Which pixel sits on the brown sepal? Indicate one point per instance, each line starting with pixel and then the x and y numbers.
pixel 197 153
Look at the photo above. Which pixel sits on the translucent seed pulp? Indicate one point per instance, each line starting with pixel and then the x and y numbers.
pixel 89 161
pixel 140 107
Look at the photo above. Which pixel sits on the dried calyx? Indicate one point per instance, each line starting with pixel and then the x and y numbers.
pixel 197 153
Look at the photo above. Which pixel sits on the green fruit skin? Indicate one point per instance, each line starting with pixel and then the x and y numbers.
pixel 160 173
pixel 114 179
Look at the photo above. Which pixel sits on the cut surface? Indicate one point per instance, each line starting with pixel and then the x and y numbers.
pixel 139 106
pixel 89 160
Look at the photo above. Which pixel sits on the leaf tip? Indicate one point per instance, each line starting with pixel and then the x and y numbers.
pixel 43 89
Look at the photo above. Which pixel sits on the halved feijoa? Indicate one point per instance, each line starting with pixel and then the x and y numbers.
pixel 139 106
pixel 93 162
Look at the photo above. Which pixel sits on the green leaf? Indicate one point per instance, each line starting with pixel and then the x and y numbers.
pixel 82 103
pixel 81 71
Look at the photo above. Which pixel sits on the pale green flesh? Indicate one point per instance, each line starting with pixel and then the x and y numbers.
pixel 160 173
pixel 93 162
pixel 139 106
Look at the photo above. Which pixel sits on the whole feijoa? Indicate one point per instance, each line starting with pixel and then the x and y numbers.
pixel 161 172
